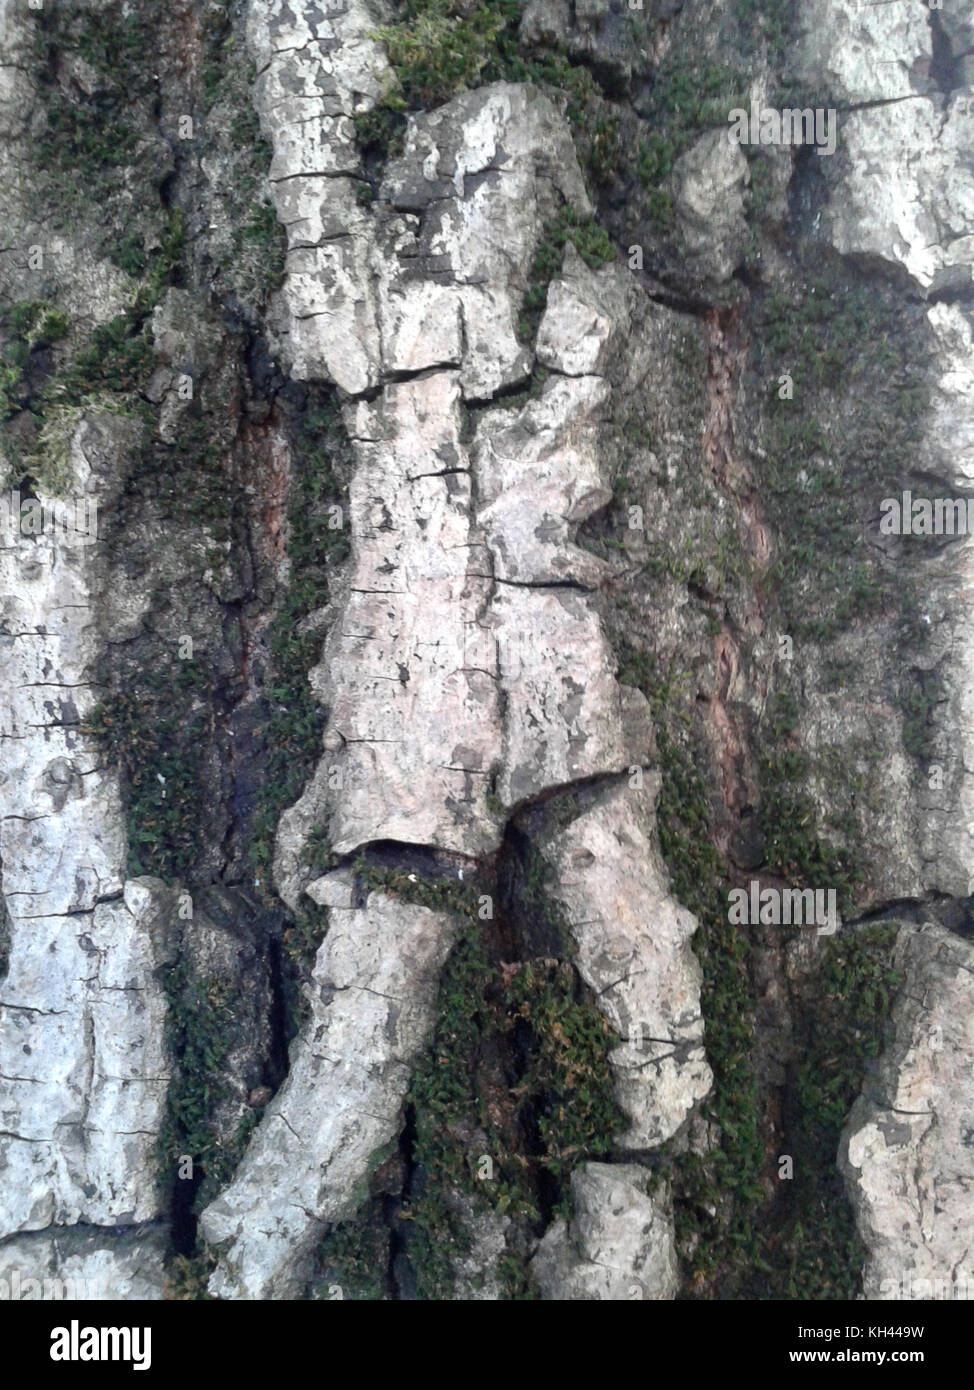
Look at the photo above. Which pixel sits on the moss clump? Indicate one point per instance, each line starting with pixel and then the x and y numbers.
pixel 795 847
pixel 118 358
pixel 259 250
pixel 26 325
pixel 520 1059
pixel 855 988
pixel 153 734
pixel 247 245
pixel 198 1038
pixel 291 733
pixel 218 47
pixel 380 130
pixel 353 1260
pixel 919 695
pixel 815 1249
pixel 567 1077
pixel 50 464
pixel 441 47
pixel 517 1074
pixel 846 438
pixel 110 367
pixel 35 322
pixel 685 100
pixel 224 1158
pixel 767 22
pixel 590 240
pixel 316 544
pixel 438 894
pixel 92 130
pixel 199 1011
pixel 187 1277
pixel 728 1179
pixel 735 1243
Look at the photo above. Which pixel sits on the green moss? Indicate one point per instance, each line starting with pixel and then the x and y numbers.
pixel 50 463
pixel 318 849
pixel 767 23
pixel 296 721
pixel 10 390
pixel 816 1249
pixel 115 361
pixel 919 695
pixel 200 1012
pixel 590 240
pixel 568 1075
pixel 291 734
pixel 761 183
pixel 163 263
pixel 353 1258
pixel 259 251
pixel 119 358
pixel 36 322
pixel 90 135
pixel 846 439
pixel 795 848
pixel 553 1109
pixel 735 1243
pixel 152 731
pixel 198 1041
pixel 26 324
pixel 438 894
pixel 729 1179
pixel 685 100
pixel 187 1277
pixel 380 130
pixel 441 47
pixel 217 43
pixel 248 248
pixel 224 1159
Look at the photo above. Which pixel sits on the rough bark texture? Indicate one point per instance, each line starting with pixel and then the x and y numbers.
pixel 474 572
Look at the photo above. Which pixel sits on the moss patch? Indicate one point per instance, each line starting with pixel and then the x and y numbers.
pixel 353 1259
pixel 734 1243
pixel 728 1181
pixel 152 731
pixel 685 100
pixel 187 1277
pixel 199 1011
pixel 815 1251
pixel 847 438
pixel 590 240
pixel 295 722
pixel 518 1073
pixel 441 47
pixel 94 68
pixel 25 327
